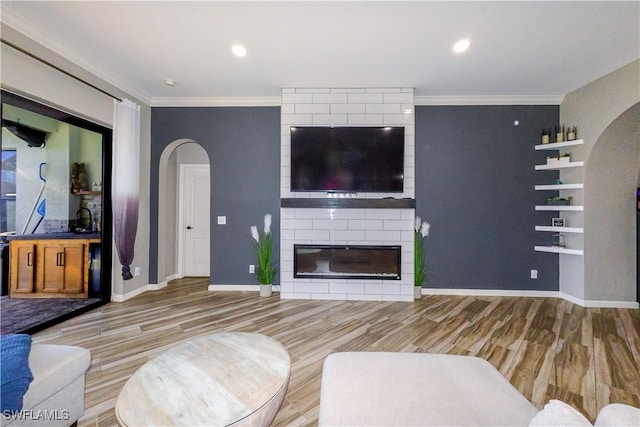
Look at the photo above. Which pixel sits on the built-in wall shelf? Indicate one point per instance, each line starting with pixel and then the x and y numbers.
pixel 558 250
pixel 348 203
pixel 559 145
pixel 559 208
pixel 559 229
pixel 572 211
pixel 557 187
pixel 560 166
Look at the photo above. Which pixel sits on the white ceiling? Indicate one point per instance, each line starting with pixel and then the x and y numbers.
pixel 536 51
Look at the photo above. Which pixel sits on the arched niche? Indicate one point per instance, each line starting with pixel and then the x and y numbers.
pixel 611 179
pixel 168 201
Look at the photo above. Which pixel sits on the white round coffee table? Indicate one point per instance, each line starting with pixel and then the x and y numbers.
pixel 222 379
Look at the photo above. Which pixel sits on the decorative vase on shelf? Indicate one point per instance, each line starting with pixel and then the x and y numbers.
pixel 265 290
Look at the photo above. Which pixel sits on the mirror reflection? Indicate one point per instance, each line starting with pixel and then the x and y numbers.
pixel 51 175
pixel 51 211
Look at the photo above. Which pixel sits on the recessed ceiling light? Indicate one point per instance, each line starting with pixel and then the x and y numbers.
pixel 169 82
pixel 461 46
pixel 239 50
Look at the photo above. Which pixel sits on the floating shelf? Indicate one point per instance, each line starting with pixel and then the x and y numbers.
pixel 562 166
pixel 87 193
pixel 556 187
pixel 559 208
pixel 559 145
pixel 559 250
pixel 559 229
pixel 390 203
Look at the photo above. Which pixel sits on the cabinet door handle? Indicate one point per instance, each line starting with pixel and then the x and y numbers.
pixel 61 257
pixel 29 259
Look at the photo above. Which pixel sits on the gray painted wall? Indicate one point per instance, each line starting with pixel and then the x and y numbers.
pixel 475 183
pixel 243 144
pixel 592 108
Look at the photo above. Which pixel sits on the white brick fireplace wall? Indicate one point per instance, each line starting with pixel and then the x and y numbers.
pixel 348 226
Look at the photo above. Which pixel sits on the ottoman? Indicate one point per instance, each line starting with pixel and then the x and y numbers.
pixel 417 389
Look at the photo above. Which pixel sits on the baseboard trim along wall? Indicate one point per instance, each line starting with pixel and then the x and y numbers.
pixel 250 288
pixel 534 294
pixel 425 291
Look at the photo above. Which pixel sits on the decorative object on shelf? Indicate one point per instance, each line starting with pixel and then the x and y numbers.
pixel 545 136
pixel 421 230
pixel 559 240
pixel 572 134
pixel 266 269
pixel 559 134
pixel 78 178
pixel 559 201
pixel 560 159
pixel 558 181
pixel 557 222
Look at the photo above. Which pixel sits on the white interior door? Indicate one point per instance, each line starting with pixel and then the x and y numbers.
pixel 194 223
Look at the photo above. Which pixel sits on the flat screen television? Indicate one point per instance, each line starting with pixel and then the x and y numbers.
pixel 347 159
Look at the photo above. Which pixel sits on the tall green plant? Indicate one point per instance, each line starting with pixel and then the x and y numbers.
pixel 421 230
pixel 266 269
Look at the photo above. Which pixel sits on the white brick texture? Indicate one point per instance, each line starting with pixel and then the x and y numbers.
pixel 347 107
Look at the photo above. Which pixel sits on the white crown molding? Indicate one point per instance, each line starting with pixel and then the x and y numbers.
pixel 490 100
pixel 13 21
pixel 264 101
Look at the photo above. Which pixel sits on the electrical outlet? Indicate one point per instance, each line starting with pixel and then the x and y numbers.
pixel 534 274
pixel 137 271
pixel 222 220
pixel 252 268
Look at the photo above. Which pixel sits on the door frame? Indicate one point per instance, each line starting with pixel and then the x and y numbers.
pixel 181 213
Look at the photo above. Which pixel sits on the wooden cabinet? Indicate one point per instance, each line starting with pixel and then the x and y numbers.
pixel 49 268
pixel 22 270
pixel 60 266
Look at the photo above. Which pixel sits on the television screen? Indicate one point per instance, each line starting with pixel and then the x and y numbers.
pixel 347 159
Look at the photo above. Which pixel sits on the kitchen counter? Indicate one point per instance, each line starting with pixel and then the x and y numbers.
pixel 56 236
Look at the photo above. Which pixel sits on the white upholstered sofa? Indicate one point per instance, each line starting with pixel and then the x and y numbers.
pixel 418 389
pixel 55 397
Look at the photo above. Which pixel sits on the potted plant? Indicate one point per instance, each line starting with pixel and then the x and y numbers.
pixel 266 269
pixel 421 230
pixel 559 201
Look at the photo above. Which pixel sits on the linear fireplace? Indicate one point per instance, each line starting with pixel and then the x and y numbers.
pixel 347 262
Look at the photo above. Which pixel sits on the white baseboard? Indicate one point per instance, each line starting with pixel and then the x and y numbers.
pixel 227 288
pixel 544 294
pixel 490 292
pixel 158 286
pixel 129 295
pixel 599 304
pixel 425 291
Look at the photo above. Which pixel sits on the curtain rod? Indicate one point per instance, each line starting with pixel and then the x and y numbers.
pixel 19 49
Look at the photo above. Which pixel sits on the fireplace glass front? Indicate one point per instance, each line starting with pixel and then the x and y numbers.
pixel 346 262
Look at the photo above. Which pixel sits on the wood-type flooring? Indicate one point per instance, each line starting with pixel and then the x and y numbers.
pixel 547 348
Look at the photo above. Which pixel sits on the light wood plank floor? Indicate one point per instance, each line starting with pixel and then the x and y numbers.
pixel 547 348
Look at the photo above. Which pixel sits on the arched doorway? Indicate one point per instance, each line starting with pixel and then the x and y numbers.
pixel 177 153
pixel 611 180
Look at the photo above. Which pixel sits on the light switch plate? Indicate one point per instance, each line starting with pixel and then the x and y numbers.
pixel 222 220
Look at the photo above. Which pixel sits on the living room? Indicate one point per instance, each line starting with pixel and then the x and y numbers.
pixel 472 155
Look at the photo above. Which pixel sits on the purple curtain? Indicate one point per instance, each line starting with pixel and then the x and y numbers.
pixel 126 181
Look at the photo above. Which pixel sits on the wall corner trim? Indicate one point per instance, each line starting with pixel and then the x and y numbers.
pixel 599 304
